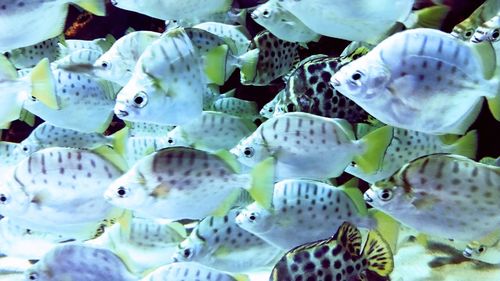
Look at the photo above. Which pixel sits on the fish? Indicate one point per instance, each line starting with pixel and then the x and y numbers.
pixel 486 250
pixel 309 146
pixel 10 155
pixel 488 31
pixel 187 271
pixel 169 182
pixel 213 131
pixel 144 244
pixel 76 261
pixel 305 211
pixel 85 103
pixel 46 135
pixel 48 16
pixel 362 20
pixel 218 242
pixel 29 56
pixel 422 80
pixel 57 187
pixel 238 107
pixel 267 59
pixel 100 45
pixel 37 85
pixel 236 36
pixel 170 9
pixel 136 129
pixel 268 110
pixel 407 145
pixel 435 194
pixel 283 24
pixel 117 64
pixel 167 85
pixel 465 29
pixel 308 89
pixel 337 258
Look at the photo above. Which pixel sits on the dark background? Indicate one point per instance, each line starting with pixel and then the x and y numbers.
pixel 81 25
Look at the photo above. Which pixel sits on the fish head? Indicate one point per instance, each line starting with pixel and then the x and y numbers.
pixel 36 273
pixel 266 13
pixel 362 80
pixel 386 196
pixel 13 200
pixel 481 252
pixel 486 34
pixel 254 218
pixel 176 137
pixel 139 101
pixel 27 147
pixel 250 151
pixel 188 250
pixel 128 191
pixel 108 67
pixel 463 31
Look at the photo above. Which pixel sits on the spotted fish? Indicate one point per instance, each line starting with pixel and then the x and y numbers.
pixel 79 262
pixel 27 57
pixel 169 182
pixel 310 146
pixel 219 242
pixel 304 211
pixel 423 80
pixel 237 107
pixel 449 196
pixel 337 258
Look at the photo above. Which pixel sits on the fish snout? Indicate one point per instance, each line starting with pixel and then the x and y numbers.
pixel 474 39
pixel 367 197
pixel 254 16
pixel 121 113
pixel 467 253
pixel 335 82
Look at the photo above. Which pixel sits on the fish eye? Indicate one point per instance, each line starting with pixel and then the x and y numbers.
pixel 270 109
pixel 187 253
pixel 3 199
pixel 495 34
pixel 266 13
pixel 33 98
pixel 357 75
pixel 140 99
pixel 481 249
pixel 468 34
pixel 105 64
pixel 248 152
pixel 26 149
pixel 122 192
pixel 33 276
pixel 170 141
pixel 252 217
pixel 385 195
pixel 114 2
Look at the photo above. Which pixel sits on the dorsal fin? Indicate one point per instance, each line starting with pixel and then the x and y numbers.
pixel 349 237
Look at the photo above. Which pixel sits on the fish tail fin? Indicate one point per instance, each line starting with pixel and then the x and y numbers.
pixel 378 254
pixel 96 7
pixel 27 117
pixel 466 145
pixel 432 17
pixel 261 189
pixel 7 70
pixel 248 65
pixel 112 156
pixel 350 188
pixel 241 277
pixel 215 64
pixel 119 141
pixel 43 86
pixel 387 227
pixel 494 104
pixel 375 143
pixel 350 237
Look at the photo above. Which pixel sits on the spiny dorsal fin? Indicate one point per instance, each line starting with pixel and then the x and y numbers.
pixel 349 237
pixel 379 255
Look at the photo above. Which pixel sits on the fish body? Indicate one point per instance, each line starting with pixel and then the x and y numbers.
pixel 237 107
pixel 79 262
pixel 283 24
pixel 357 20
pixel 55 187
pixel 449 196
pixel 309 146
pixel 235 36
pixel 267 59
pixel 187 271
pixel 170 9
pixel 117 64
pixel 29 56
pixel 85 103
pixel 46 135
pixel 309 90
pixel 303 211
pixel 211 132
pixel 336 258
pixel 407 145
pixel 48 16
pixel 168 183
pixel 421 79
pixel 219 242
pixel 167 85
pixel 136 129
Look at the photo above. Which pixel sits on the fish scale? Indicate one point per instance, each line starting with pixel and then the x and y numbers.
pixel 220 243
pixel 456 197
pixel 58 186
pixel 303 211
pixel 169 182
pixel 187 271
pixel 79 262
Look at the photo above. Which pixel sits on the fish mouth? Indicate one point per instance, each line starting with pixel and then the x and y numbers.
pixel 334 82
pixel 475 40
pixel 121 113
pixel 367 198
pixel 467 253
pixel 254 16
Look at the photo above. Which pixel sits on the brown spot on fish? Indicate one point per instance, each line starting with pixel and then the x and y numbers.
pixel 161 191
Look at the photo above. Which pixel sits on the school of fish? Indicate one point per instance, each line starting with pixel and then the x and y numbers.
pixel 145 162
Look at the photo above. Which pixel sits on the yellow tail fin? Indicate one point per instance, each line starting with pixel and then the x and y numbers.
pixel 263 183
pixel 378 254
pixel 43 85
pixel 376 143
pixel 96 7
pixel 466 145
pixel 248 65
pixel 432 17
pixel 494 105
pixel 387 227
pixel 120 141
pixel 112 156
pixel 215 64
